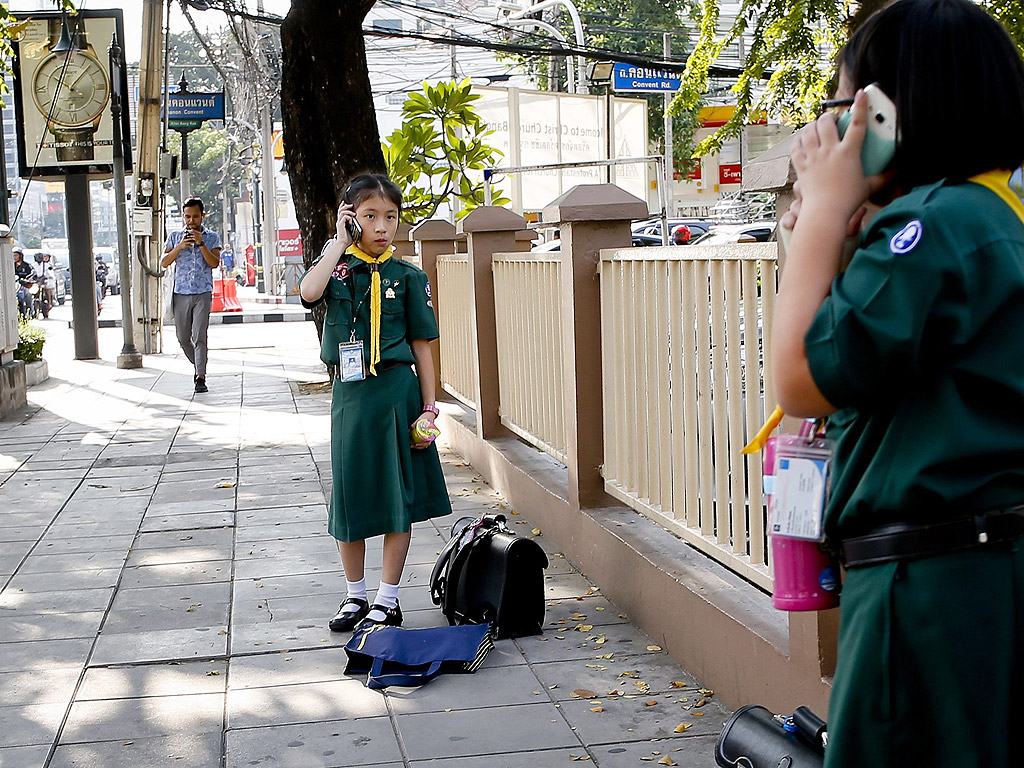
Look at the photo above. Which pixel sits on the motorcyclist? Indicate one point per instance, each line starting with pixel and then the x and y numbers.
pixel 23 275
pixel 101 282
pixel 46 276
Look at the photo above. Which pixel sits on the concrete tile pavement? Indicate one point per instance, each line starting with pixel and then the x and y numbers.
pixel 167 576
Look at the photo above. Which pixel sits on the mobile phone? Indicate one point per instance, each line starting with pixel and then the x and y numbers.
pixel 881 138
pixel 353 229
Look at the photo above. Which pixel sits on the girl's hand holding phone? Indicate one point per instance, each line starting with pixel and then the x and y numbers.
pixel 831 176
pixel 345 224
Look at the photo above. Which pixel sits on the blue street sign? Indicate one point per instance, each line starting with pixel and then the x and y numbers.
pixel 195 106
pixel 629 77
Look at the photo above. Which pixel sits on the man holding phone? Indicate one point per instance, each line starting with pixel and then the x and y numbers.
pixel 195 252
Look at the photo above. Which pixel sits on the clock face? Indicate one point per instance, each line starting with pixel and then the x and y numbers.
pixel 76 98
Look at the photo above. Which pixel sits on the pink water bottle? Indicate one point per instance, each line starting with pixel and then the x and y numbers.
pixel 806 576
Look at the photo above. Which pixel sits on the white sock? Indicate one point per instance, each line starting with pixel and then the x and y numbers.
pixel 387 595
pixel 355 589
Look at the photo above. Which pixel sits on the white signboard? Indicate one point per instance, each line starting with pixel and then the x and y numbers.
pixel 542 128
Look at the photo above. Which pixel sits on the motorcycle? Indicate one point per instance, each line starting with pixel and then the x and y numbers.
pixel 32 303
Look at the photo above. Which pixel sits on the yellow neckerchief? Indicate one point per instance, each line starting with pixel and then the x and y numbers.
pixel 1009 185
pixel 374 263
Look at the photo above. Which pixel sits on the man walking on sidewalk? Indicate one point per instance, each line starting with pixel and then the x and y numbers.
pixel 195 252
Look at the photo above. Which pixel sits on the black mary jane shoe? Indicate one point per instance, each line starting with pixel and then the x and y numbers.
pixel 343 620
pixel 392 616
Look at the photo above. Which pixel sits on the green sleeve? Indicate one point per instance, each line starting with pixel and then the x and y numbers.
pixel 311 304
pixel 419 308
pixel 883 323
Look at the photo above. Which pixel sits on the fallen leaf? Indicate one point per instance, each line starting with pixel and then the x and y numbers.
pixel 226 485
pixel 512 512
pixel 598 608
pixel 653 647
pixel 650 703
pixel 697 714
pixel 127 743
pixel 604 656
pixel 677 684
pixel 584 627
pixel 666 760
pixel 552 687
pixel 597 709
pixel 705 692
pixel 681 728
pixel 212 673
pixel 701 702
pixel 583 693
pixel 536 532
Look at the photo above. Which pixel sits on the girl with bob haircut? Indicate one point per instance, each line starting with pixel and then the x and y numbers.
pixel 913 354
pixel 378 325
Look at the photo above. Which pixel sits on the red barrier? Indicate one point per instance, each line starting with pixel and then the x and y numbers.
pixel 225 296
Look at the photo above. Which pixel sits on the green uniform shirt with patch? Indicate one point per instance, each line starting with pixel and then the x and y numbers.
pixel 407 312
pixel 915 346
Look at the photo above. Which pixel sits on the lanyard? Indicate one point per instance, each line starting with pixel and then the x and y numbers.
pixel 352 291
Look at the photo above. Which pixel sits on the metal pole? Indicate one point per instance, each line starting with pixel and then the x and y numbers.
pixel 269 195
pixel 670 165
pixel 83 269
pixel 130 356
pixel 608 126
pixel 186 186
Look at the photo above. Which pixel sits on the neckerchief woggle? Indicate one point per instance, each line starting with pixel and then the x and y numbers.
pixel 375 298
pixel 1008 185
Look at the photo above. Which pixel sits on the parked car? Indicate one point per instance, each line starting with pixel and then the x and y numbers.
pixel 756 232
pixel 109 256
pixel 639 240
pixel 697 227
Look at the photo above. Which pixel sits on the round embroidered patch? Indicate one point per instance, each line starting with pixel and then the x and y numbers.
pixel 908 237
pixel 341 271
pixel 428 290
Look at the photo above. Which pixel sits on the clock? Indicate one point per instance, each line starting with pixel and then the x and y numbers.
pixel 72 97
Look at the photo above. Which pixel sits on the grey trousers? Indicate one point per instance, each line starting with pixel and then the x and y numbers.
pixel 191 322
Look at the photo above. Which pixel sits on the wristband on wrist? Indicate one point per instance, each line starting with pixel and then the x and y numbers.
pixel 431 409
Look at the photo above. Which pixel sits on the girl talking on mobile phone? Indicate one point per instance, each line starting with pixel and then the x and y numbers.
pixel 379 322
pixel 913 353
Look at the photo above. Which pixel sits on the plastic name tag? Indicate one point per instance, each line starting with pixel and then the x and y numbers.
pixel 351 364
pixel 801 487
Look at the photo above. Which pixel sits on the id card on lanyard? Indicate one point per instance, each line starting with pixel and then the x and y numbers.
pixel 352 366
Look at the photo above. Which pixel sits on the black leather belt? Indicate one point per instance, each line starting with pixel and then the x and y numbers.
pixel 903 541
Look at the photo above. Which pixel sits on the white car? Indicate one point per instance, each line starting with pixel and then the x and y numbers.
pixel 723 234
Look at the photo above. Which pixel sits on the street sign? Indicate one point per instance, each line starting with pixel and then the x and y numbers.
pixel 184 125
pixel 195 106
pixel 629 77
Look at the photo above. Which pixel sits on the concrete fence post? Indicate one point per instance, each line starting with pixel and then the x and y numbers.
pixel 591 217
pixel 434 237
pixel 489 230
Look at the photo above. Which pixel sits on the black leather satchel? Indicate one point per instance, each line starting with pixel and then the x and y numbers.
pixel 755 738
pixel 488 574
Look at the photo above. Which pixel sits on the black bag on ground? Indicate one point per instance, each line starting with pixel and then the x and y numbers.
pixel 755 738
pixel 488 574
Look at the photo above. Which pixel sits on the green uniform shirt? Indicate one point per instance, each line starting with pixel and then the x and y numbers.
pixel 918 346
pixel 407 312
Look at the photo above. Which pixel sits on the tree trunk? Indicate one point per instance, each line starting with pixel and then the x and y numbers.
pixel 330 127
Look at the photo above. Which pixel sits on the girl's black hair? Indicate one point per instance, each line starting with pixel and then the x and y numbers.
pixel 957 81
pixel 366 185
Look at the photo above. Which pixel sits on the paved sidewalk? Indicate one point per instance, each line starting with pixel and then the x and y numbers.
pixel 167 577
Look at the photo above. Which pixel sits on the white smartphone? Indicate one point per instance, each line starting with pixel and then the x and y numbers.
pixel 882 137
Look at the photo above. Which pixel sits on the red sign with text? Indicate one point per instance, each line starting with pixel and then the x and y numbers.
pixel 695 173
pixel 289 242
pixel 730 173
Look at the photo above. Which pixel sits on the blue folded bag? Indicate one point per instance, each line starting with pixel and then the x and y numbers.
pixel 410 657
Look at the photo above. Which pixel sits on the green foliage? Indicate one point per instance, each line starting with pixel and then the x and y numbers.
pixel 438 151
pixel 213 162
pixel 30 342
pixel 789 65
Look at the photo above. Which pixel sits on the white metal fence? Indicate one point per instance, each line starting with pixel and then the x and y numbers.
pixel 458 357
pixel 527 296
pixel 684 359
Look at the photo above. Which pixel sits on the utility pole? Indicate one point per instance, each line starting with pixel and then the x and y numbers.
pixel 148 200
pixel 669 149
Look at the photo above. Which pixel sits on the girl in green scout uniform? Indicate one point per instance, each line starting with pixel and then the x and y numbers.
pixel 913 353
pixel 379 322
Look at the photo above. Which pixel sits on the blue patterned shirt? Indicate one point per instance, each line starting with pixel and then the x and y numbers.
pixel 191 272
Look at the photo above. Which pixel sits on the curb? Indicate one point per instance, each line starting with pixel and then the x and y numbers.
pixel 234 319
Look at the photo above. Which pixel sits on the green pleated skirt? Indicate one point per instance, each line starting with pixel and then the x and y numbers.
pixel 380 484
